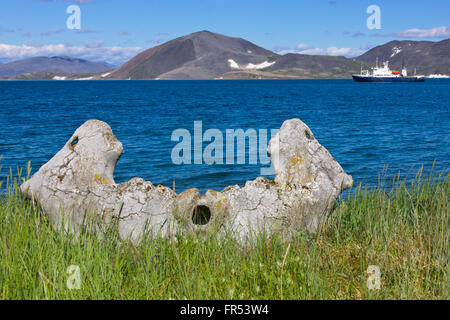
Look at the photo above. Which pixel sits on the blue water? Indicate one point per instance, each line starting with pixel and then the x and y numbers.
pixel 365 126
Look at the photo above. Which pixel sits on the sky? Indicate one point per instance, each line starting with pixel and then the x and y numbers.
pixel 114 31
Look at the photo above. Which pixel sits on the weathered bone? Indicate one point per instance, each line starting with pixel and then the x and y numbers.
pixel 77 184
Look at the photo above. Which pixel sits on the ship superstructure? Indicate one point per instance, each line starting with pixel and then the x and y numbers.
pixel 384 74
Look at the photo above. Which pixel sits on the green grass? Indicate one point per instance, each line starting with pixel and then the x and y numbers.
pixel 403 230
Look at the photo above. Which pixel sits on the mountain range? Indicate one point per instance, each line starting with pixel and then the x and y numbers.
pixel 51 64
pixel 208 55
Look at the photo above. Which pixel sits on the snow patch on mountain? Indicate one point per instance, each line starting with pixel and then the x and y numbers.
pixel 87 78
pixel 250 66
pixel 233 64
pixel 395 51
pixel 262 65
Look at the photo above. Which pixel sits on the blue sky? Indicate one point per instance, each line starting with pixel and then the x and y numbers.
pixel 116 30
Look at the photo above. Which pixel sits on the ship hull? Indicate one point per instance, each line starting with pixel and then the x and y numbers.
pixel 357 78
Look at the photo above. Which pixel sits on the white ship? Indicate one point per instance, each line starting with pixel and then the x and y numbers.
pixel 384 74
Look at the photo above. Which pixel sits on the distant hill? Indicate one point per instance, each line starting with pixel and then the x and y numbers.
pixel 426 56
pixel 51 64
pixel 51 75
pixel 109 65
pixel 200 55
pixel 313 66
pixel 318 63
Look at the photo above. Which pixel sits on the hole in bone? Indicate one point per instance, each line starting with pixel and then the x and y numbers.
pixel 74 142
pixel 307 135
pixel 201 215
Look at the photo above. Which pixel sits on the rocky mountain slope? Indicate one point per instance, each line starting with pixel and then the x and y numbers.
pixel 305 66
pixel 426 56
pixel 200 55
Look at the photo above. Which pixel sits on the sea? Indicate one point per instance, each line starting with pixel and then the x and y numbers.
pixel 376 131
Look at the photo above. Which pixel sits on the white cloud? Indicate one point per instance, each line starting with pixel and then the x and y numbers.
pixel 334 51
pixel 94 44
pixel 312 51
pixel 114 55
pixel 330 51
pixel 303 46
pixel 439 32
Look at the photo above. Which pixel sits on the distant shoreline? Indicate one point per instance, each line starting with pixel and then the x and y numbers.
pixel 174 80
pixel 170 80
